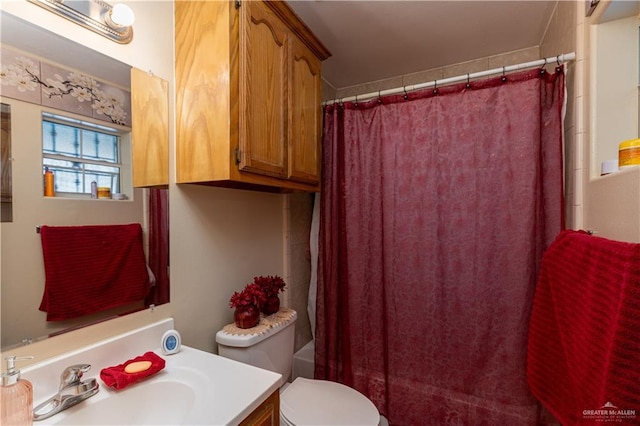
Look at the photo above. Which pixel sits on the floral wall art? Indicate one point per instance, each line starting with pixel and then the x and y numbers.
pixel 31 80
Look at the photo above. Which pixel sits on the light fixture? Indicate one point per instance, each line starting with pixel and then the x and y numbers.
pixel 119 16
pixel 113 22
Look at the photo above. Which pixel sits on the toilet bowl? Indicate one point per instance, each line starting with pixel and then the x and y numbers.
pixel 304 401
pixel 321 402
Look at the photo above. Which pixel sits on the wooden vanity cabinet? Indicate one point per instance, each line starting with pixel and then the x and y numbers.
pixel 149 130
pixel 267 414
pixel 248 89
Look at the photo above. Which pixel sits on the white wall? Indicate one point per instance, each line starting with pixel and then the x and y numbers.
pixel 220 239
pixel 612 202
pixel 613 205
pixel 614 113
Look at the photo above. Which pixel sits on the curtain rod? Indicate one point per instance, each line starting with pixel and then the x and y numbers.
pixel 565 57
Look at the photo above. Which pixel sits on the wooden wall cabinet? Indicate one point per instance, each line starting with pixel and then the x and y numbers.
pixel 248 89
pixel 149 129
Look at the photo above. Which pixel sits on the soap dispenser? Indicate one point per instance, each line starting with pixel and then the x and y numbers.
pixel 16 395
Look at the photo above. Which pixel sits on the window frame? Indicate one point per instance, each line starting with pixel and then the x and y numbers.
pixel 92 127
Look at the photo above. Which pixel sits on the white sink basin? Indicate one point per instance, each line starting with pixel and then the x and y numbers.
pixel 135 407
pixel 195 387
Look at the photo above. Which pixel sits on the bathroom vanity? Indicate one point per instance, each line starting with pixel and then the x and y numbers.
pixel 195 387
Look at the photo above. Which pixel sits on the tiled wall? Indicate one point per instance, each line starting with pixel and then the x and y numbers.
pixel 482 64
pixel 564 36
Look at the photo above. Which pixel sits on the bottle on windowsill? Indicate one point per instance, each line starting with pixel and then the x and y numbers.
pixel 49 190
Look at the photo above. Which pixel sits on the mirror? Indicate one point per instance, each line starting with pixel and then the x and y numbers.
pixel 22 269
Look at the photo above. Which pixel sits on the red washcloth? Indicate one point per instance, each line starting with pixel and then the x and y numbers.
pixel 90 269
pixel 115 377
pixel 584 334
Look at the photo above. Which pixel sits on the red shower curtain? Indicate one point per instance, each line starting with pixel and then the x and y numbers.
pixel 435 212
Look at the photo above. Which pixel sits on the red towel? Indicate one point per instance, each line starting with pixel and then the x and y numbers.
pixel 115 377
pixel 90 269
pixel 584 336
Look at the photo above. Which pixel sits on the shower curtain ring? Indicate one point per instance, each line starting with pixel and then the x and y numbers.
pixel 355 104
pixel 406 96
pixel 468 82
pixel 559 66
pixel 435 87
pixel 379 98
pixel 542 70
pixel 504 77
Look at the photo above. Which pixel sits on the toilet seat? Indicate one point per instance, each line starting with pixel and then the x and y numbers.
pixel 321 402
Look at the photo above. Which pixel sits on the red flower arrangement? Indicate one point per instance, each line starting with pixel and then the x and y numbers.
pixel 260 295
pixel 252 294
pixel 271 286
pixel 247 305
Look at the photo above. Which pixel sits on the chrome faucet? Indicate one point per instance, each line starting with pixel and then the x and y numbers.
pixel 72 391
pixel 71 375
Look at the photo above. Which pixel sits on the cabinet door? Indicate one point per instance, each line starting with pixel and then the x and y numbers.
pixel 263 91
pixel 149 129
pixel 267 414
pixel 305 114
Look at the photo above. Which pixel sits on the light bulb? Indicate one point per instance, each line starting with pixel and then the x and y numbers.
pixel 120 16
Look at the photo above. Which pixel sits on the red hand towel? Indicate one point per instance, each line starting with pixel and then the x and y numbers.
pixel 116 377
pixel 92 268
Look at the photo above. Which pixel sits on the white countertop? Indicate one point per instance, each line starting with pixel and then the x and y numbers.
pixel 195 387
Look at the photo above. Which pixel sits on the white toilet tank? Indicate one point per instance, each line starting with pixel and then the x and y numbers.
pixel 269 346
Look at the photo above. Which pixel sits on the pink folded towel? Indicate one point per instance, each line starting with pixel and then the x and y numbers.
pixel 116 377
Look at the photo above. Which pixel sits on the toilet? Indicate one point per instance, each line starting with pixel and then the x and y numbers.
pixel 304 401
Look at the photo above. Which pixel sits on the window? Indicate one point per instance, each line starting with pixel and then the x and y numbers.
pixel 78 153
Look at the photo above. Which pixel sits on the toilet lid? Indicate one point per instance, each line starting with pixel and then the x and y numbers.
pixel 320 402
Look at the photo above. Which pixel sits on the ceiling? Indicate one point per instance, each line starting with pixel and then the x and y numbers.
pixel 374 40
pixel 369 40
